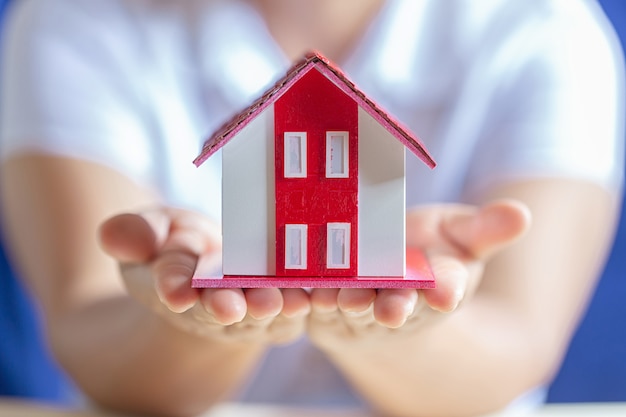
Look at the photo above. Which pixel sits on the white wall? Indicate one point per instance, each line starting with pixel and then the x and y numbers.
pixel 382 224
pixel 248 213
pixel 248 207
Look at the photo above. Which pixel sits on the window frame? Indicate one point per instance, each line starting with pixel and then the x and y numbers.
pixel 303 228
pixel 346 227
pixel 287 155
pixel 345 154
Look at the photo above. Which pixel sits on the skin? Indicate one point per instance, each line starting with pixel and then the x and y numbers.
pixel 330 26
pixel 509 332
pixel 190 349
pixel 116 287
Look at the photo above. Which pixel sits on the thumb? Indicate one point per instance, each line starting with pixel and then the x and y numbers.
pixel 133 238
pixel 489 229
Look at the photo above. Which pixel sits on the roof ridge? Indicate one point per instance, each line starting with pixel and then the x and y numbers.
pixel 311 59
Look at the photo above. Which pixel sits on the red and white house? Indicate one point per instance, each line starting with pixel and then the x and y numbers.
pixel 313 188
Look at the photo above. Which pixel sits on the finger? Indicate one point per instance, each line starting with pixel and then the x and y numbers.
pixel 393 306
pixel 264 302
pixel 191 232
pixel 355 300
pixel 324 300
pixel 296 303
pixel 189 235
pixel 357 306
pixel 172 273
pixel 133 238
pixel 452 278
pixel 482 232
pixel 226 306
pixel 359 322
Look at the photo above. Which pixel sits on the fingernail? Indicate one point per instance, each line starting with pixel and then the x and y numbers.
pixel 167 287
pixel 181 308
pixel 266 315
pixel 358 312
pixel 454 303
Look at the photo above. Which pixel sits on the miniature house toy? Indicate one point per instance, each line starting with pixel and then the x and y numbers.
pixel 313 188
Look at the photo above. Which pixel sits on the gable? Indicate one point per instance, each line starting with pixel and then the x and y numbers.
pixel 293 77
pixel 318 99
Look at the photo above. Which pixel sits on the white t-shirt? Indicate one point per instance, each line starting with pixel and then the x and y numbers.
pixel 498 90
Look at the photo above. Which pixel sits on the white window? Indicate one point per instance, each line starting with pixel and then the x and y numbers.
pixel 338 246
pixel 295 155
pixel 337 155
pixel 295 246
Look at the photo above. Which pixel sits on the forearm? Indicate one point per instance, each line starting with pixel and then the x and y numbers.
pixel 120 352
pixel 152 367
pixel 511 335
pixel 472 362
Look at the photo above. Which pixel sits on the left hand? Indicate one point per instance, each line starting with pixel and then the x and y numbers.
pixel 457 239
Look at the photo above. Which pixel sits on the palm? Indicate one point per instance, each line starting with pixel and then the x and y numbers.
pixel 158 252
pixel 457 240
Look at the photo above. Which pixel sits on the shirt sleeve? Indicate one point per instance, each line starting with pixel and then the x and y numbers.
pixel 65 86
pixel 558 107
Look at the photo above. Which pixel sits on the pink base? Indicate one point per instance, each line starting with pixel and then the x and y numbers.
pixel 419 275
pixel 310 282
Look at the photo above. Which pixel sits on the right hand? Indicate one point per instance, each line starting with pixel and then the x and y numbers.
pixel 158 251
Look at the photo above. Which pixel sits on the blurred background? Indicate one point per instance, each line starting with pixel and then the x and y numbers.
pixel 34 374
pixel 595 366
pixel 594 369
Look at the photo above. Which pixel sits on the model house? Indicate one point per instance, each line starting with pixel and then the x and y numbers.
pixel 314 188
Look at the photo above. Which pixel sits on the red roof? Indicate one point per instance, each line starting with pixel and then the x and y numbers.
pixel 322 64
